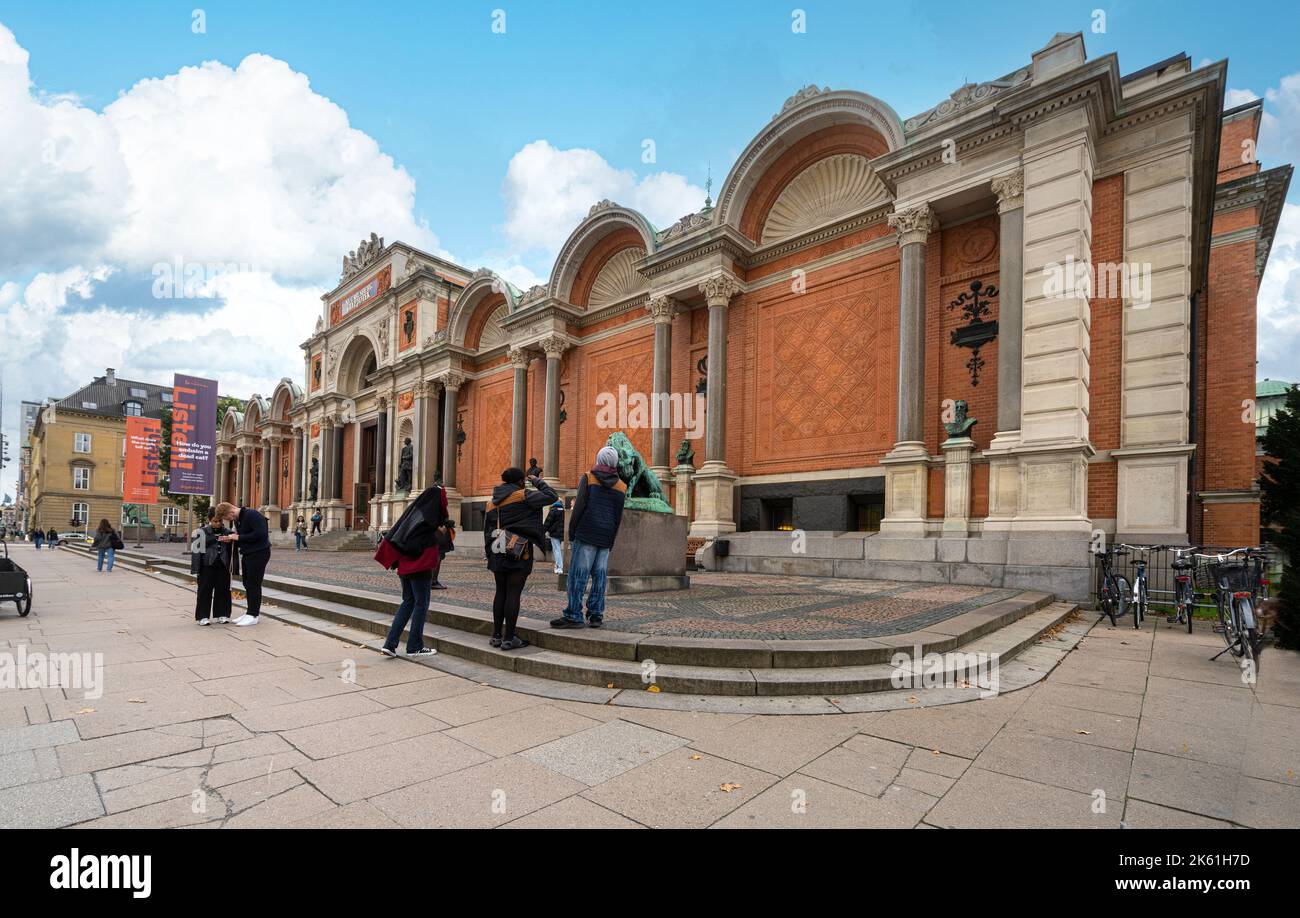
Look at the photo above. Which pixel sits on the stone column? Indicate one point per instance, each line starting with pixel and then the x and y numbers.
pixel 326 482
pixel 245 474
pixel 907 463
pixel 664 310
pixel 426 408
pixel 956 486
pixel 217 491
pixel 1004 473
pixel 381 451
pixel 296 471
pixel 554 349
pixel 273 494
pixel 519 359
pixel 715 483
pixel 418 460
pixel 451 383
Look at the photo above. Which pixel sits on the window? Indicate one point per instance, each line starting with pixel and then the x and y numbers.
pixel 780 514
pixel 81 478
pixel 166 397
pixel 81 443
pixel 137 392
pixel 81 513
pixel 90 405
pixel 171 516
pixel 132 409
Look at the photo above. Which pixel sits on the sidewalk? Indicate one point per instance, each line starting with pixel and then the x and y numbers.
pixel 277 726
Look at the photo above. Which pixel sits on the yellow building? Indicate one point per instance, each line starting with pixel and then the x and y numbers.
pixel 78 444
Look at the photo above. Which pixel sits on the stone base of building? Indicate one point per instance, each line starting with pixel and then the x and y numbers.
pixel 1057 563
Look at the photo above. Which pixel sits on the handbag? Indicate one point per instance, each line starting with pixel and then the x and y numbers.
pixel 117 544
pixel 517 548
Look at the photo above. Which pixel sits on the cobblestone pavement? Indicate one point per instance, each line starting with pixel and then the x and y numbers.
pixel 277 726
pixel 717 605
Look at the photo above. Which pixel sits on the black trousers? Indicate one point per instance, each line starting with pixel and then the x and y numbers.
pixel 505 605
pixel 253 568
pixel 315 526
pixel 214 593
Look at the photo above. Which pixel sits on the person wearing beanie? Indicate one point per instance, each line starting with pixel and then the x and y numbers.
pixel 593 527
pixel 512 528
pixel 554 527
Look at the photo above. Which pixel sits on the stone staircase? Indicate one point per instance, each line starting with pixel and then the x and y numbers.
pixel 614 661
pixel 340 540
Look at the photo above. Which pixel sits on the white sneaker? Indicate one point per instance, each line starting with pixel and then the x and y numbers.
pixel 205 621
pixel 224 620
pixel 248 620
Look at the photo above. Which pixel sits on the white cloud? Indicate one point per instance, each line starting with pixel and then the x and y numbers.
pixel 549 191
pixel 1278 333
pixel 1234 97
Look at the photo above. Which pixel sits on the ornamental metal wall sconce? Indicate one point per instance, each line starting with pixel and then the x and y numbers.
pixel 460 432
pixel 702 367
pixel 564 415
pixel 978 331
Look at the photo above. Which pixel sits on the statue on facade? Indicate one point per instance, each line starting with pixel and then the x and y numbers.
pixel 534 470
pixel 643 489
pixel 686 455
pixel 315 477
pixel 960 425
pixel 404 465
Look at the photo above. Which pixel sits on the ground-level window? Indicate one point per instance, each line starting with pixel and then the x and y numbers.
pixel 779 514
pixel 81 478
pixel 80 513
pixel 171 516
pixel 81 443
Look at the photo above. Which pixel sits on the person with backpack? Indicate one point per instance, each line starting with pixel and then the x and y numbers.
pixel 315 521
pixel 252 542
pixel 554 527
pixel 300 534
pixel 105 544
pixel 593 527
pixel 512 528
pixel 53 538
pixel 412 548
pixel 212 565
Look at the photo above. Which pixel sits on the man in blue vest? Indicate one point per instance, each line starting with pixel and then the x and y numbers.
pixel 593 526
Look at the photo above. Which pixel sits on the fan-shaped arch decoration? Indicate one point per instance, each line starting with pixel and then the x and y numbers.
pixel 493 334
pixel 832 187
pixel 618 278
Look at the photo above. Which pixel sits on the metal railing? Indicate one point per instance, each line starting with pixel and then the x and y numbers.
pixel 1160 574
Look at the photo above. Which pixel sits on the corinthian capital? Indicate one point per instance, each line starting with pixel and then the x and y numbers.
pixel 519 357
pixel 451 381
pixel 719 289
pixel 553 346
pixel 1010 190
pixel 913 225
pixel 663 309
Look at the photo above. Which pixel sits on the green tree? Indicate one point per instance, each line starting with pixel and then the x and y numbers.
pixel 203 502
pixel 1280 511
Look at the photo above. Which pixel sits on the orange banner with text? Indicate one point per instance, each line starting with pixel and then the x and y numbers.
pixel 143 460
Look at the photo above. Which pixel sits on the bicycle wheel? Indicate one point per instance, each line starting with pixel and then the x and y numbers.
pixel 1187 605
pixel 1140 605
pixel 1251 644
pixel 1122 594
pixel 1228 627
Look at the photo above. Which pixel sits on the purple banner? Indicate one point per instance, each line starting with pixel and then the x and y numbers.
pixel 194 435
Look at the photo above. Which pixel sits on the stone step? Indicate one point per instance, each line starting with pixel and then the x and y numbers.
pixel 610 659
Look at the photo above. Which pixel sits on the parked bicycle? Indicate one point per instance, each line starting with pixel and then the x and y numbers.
pixel 1113 596
pixel 1184 590
pixel 1237 579
pixel 1138 600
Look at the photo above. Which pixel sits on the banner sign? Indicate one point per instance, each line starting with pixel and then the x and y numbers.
pixel 143 460
pixel 194 435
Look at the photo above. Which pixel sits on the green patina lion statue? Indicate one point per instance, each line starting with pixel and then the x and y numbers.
pixel 643 489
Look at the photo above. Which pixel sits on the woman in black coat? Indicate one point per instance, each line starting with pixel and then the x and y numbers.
pixel 213 566
pixel 512 535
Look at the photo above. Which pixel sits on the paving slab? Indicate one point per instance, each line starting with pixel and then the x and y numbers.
pixel 595 755
pixel 50 804
pixel 370 772
pixel 482 796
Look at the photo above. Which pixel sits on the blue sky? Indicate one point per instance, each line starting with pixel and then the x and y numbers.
pixel 478 121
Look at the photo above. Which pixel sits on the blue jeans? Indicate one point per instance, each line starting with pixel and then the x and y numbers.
pixel 587 561
pixel 299 540
pixel 415 609
pixel 40 543
pixel 111 554
pixel 557 553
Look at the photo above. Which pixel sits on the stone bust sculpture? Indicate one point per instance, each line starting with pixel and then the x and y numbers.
pixel 960 425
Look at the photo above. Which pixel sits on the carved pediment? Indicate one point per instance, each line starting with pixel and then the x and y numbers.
pixel 967 96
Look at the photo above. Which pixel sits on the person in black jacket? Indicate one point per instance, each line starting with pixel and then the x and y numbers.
pixel 554 527
pixel 512 531
pixel 252 539
pixel 212 563
pixel 593 526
